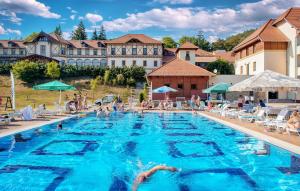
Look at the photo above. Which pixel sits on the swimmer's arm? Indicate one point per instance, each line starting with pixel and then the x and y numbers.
pixel 135 184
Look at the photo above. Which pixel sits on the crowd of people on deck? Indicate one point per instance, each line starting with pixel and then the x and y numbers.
pixel 116 106
pixel 76 103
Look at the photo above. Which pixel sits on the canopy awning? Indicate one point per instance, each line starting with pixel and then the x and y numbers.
pixel 164 89
pixel 266 81
pixel 54 86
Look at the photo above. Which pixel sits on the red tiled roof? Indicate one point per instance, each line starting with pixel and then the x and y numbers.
pixel 139 37
pixel 58 38
pixel 206 59
pixel 265 33
pixel 90 43
pixel 187 45
pixel 178 67
pixel 19 43
pixel 228 56
pixel 200 52
pixel 292 16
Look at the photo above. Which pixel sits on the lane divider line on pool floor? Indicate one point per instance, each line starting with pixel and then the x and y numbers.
pixel 272 140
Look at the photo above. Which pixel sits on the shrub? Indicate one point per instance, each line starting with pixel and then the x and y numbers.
pixel 141 97
pixel 106 77
pixel 53 70
pixel 28 71
pixel 114 82
pixel 5 69
pixel 131 82
pixel 120 79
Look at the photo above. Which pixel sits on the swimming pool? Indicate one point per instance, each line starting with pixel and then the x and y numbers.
pixel 107 153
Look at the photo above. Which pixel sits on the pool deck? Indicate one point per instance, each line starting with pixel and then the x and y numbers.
pixel 285 141
pixel 20 125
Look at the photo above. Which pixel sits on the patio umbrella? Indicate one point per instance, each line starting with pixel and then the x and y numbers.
pixel 164 89
pixel 54 86
pixel 266 81
pixel 217 88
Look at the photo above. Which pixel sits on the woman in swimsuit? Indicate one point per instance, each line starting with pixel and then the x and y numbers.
pixel 294 121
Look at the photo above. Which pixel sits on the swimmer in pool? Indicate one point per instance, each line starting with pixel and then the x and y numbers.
pixel 145 175
pixel 59 126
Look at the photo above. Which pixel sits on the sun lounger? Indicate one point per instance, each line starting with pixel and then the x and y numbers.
pixel 27 113
pixel 178 105
pixel 4 121
pixel 259 116
pixel 279 121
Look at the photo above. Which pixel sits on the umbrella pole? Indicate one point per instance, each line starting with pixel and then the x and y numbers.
pixel 59 97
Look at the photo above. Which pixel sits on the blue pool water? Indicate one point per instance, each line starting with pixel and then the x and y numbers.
pixel 106 154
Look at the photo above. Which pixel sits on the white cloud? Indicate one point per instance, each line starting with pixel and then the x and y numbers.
pixel 9 31
pixel 17 32
pixel 212 38
pixel 72 17
pixel 218 21
pixel 93 18
pixel 80 17
pixel 174 1
pixel 67 35
pixel 73 11
pixel 70 8
pixel 31 7
pixel 11 16
pixel 2 30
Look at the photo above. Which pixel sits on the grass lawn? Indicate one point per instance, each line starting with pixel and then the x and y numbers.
pixel 25 95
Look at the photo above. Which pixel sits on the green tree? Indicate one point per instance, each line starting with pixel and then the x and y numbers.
pixel 190 39
pixel 201 42
pixel 94 83
pixel 79 33
pixel 107 77
pixel 230 42
pixel 222 67
pixel 31 37
pixel 141 97
pixel 28 71
pixel 58 30
pixel 94 35
pixel 169 42
pixel 131 82
pixel 102 33
pixel 53 70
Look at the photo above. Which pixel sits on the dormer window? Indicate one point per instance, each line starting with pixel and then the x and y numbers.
pixel 187 56
pixel 83 44
pixel 100 44
pixel 43 39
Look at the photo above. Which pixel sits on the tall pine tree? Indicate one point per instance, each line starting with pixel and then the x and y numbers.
pixel 102 34
pixel 58 30
pixel 79 33
pixel 95 35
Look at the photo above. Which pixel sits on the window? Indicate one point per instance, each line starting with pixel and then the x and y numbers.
pixel 247 69
pixel 13 51
pixel 103 52
pixel 155 63
pixel 193 86
pixel 155 51
pixel 254 66
pixel 180 86
pixel 145 63
pixel 123 51
pixel 123 63
pixel 241 70
pixel 187 56
pixel 113 63
pixel 95 52
pixel 43 39
pixel 21 52
pixel 43 50
pixel 113 51
pixel 134 51
pixel 62 51
pixel 71 51
pixel 144 51
pixel 87 51
pixel 134 63
pixel 78 51
pixel 4 51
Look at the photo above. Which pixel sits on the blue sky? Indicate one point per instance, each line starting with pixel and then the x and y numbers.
pixel 157 18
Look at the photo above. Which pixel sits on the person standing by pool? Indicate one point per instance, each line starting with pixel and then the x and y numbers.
pixel 145 175
pixel 75 99
pixel 241 101
pixel 84 102
pixel 193 102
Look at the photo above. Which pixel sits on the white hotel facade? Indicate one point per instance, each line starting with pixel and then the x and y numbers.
pixel 273 46
pixel 127 50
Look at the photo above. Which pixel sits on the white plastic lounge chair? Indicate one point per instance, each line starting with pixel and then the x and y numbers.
pixel 279 121
pixel 4 121
pixel 27 113
pixel 259 116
